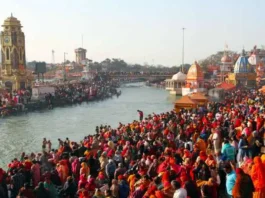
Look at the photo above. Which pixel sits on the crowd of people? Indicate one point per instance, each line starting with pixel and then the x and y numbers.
pixel 83 91
pixel 208 152
pixel 13 101
pixel 67 93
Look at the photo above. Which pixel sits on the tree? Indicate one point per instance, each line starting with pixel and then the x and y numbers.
pixel 95 66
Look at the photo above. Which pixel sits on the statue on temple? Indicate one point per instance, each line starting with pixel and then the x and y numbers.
pixel 257 63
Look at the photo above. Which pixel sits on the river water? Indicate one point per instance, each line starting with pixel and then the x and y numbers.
pixel 25 132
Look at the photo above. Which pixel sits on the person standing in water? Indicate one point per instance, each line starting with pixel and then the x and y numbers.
pixel 141 115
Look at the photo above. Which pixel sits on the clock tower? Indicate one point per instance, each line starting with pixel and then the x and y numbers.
pixel 14 74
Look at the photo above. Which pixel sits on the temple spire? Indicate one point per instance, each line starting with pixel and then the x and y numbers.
pixel 243 52
pixel 225 49
pixel 11 14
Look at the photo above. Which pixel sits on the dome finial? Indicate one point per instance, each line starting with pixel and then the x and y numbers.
pixel 226 47
pixel 243 51
pixel 255 49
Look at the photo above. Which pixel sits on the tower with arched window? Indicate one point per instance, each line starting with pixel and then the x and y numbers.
pixel 14 74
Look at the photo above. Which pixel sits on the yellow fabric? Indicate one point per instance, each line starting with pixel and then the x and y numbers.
pixel 259 194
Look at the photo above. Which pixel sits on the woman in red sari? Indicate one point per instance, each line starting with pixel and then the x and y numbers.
pixel 258 178
pixel 82 182
pixel 76 169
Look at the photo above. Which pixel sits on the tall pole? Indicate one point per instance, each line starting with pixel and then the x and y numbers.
pixel 82 40
pixel 64 76
pixel 183 29
pixel 53 59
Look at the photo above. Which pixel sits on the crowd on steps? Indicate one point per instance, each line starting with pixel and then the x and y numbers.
pixel 210 152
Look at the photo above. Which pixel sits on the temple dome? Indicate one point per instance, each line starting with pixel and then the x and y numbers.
pixel 195 72
pixel 11 21
pixel 242 65
pixel 179 76
pixel 226 59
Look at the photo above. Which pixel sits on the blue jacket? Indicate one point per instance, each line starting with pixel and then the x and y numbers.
pixel 230 182
pixel 124 190
pixel 229 152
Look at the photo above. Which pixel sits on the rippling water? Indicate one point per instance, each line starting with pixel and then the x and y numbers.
pixel 25 132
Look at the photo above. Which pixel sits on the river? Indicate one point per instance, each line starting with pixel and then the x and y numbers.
pixel 25 132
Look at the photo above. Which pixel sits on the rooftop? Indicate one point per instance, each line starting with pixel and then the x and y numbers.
pixel 11 21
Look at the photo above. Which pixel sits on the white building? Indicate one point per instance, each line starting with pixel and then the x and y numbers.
pixel 175 84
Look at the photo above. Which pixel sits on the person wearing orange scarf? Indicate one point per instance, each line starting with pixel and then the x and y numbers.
pixel 84 169
pixel 60 150
pixel 258 177
pixel 201 144
pixel 131 180
pixel 210 161
pixel 63 171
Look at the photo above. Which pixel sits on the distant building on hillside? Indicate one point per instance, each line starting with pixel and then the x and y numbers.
pixel 244 73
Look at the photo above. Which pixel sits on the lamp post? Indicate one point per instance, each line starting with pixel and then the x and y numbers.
pixel 64 76
pixel 183 29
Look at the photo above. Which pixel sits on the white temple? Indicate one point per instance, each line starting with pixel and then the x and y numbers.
pixel 175 84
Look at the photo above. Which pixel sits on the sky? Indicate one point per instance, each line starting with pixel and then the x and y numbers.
pixel 137 31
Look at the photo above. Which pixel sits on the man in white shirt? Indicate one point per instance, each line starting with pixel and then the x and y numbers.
pixel 179 192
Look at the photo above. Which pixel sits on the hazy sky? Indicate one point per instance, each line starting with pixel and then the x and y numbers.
pixel 137 30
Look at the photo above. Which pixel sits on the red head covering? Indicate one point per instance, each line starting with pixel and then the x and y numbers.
pixel 239 171
pixel 203 155
pixel 159 194
pixel 101 175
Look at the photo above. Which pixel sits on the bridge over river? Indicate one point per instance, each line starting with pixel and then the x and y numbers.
pixel 141 77
pixel 122 76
